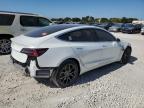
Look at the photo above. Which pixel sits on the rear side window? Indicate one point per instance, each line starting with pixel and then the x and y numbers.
pixel 28 21
pixel 6 19
pixel 104 36
pixel 85 35
pixel 32 21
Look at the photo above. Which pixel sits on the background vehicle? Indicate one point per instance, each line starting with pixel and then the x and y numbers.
pixel 63 52
pixel 130 28
pixel 116 27
pixel 15 23
pixel 142 30
pixel 105 25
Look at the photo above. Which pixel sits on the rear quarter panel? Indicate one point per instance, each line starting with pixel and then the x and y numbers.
pixel 55 56
pixel 58 52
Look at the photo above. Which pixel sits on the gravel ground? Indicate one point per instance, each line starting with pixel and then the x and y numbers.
pixel 112 86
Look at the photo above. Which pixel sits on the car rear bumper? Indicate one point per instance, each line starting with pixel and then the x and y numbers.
pixel 32 68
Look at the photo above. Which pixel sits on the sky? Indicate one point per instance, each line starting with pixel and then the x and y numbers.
pixel 77 8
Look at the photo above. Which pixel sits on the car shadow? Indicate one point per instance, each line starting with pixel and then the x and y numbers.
pixel 4 55
pixel 132 60
pixel 99 72
pixel 93 74
pixel 46 82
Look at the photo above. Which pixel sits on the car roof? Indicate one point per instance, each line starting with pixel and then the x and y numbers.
pixel 10 12
pixel 62 27
pixel 55 28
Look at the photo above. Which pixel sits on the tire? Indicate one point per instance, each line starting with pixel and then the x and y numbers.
pixel 5 46
pixel 126 56
pixel 66 74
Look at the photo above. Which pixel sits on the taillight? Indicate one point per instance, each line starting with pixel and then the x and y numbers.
pixel 34 52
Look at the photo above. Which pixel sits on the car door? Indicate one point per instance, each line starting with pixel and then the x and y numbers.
pixel 29 23
pixel 86 47
pixel 111 48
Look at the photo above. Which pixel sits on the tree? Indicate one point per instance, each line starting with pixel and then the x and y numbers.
pixel 124 20
pixel 84 20
pixel 91 20
pixel 104 20
pixel 88 20
pixel 130 20
pixel 67 19
pixel 76 19
pixel 97 20
pixel 115 20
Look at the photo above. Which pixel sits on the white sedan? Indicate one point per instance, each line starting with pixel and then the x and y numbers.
pixel 63 52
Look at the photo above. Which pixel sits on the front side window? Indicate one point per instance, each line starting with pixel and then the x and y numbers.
pixel 6 19
pixel 85 35
pixel 43 21
pixel 104 36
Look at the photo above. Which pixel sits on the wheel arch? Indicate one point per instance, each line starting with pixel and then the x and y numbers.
pixel 6 36
pixel 75 60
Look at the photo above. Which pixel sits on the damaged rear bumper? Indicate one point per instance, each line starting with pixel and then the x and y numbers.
pixel 32 68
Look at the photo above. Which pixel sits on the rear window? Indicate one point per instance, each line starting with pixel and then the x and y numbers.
pixel 6 19
pixel 47 30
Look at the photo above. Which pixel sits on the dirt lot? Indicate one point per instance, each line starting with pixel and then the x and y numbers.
pixel 112 86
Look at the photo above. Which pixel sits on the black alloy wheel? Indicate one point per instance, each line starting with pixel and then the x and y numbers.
pixel 5 46
pixel 66 74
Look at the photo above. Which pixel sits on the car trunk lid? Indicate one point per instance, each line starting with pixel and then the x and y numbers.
pixel 18 43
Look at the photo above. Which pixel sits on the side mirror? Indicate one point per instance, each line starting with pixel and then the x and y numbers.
pixel 118 40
